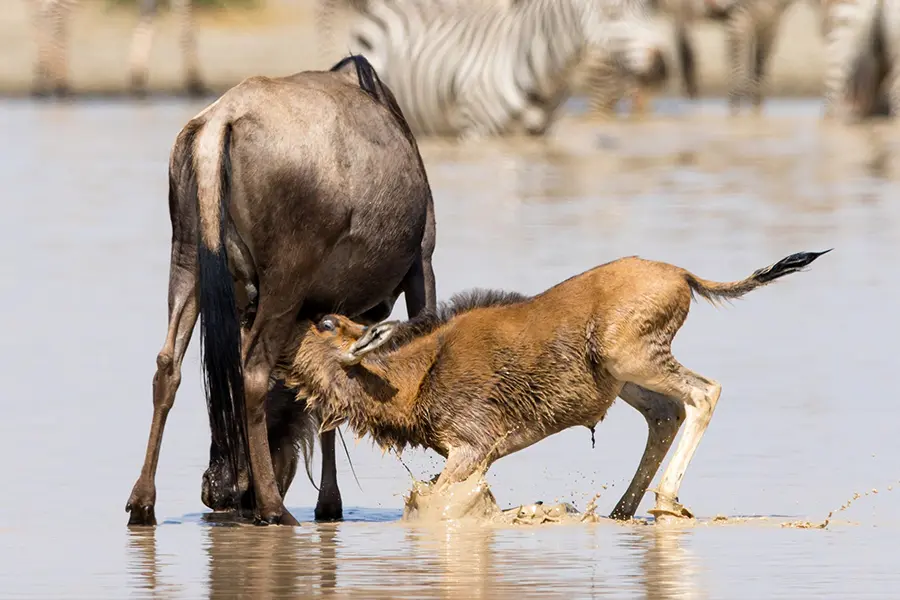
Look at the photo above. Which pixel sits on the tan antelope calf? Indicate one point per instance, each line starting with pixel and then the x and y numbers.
pixel 491 373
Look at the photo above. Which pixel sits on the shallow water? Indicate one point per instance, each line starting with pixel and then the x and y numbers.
pixel 807 416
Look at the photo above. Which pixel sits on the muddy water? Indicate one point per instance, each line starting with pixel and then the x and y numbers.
pixel 807 416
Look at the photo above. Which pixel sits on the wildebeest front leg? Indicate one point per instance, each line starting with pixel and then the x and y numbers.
pixel 329 506
pixel 182 317
pixel 664 416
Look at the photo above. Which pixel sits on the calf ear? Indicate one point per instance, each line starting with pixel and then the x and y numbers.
pixel 373 338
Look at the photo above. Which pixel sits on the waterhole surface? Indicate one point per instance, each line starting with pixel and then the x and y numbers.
pixel 807 417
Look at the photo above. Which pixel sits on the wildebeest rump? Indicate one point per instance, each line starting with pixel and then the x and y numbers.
pixel 493 373
pixel 289 197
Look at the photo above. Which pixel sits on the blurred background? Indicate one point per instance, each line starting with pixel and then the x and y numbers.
pixel 239 38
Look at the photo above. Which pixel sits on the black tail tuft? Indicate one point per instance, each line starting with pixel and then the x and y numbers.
pixel 220 339
pixel 786 266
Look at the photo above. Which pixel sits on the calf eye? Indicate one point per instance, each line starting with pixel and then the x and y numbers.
pixel 326 324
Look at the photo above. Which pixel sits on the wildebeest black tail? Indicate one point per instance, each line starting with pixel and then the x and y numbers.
pixel 220 334
pixel 714 290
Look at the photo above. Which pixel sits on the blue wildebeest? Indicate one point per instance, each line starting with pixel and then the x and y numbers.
pixel 289 197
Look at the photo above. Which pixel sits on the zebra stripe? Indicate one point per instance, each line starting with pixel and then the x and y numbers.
pixel 492 69
pixel 51 20
pixel 862 76
pixel 750 32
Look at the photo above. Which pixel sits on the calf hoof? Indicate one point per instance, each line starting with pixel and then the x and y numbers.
pixel 329 512
pixel 669 508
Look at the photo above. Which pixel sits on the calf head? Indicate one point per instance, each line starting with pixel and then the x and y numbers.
pixel 350 340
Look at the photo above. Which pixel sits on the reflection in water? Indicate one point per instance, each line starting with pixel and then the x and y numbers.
pixel 144 564
pixel 448 560
pixel 86 235
pixel 668 569
pixel 271 562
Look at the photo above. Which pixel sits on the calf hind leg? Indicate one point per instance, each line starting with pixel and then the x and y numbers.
pixel 664 416
pixel 699 395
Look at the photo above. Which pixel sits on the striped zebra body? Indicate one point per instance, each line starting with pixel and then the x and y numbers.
pixel 495 69
pixel 862 75
pixel 51 20
pixel 607 84
pixel 750 30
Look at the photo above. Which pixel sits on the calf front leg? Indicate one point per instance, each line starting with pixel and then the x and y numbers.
pixel 461 464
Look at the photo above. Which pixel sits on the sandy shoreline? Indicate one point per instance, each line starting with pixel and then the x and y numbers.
pixel 282 38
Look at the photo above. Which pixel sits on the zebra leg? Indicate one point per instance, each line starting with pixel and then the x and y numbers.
pixel 141 42
pixel 893 90
pixel 59 19
pixel 42 40
pixel 607 87
pixel 188 41
pixel 740 40
pixel 765 39
pixel 639 101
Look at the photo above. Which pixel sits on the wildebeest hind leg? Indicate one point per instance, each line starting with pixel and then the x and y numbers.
pixel 664 416
pixel 182 317
pixel 262 347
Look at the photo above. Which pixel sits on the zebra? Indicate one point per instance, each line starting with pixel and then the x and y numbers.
pixel 51 32
pixel 862 76
pixel 751 26
pixel 494 69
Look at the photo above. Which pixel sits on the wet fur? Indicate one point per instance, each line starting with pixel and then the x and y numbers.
pixel 490 372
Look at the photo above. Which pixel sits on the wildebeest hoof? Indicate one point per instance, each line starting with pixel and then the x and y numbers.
pixel 329 512
pixel 285 518
pixel 141 514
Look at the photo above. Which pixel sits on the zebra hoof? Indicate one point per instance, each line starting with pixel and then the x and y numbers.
pixel 195 88
pixel 138 85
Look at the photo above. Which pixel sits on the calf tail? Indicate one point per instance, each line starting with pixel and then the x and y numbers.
pixel 714 291
pixel 220 334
